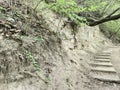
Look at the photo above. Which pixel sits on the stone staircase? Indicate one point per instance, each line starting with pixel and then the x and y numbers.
pixel 102 68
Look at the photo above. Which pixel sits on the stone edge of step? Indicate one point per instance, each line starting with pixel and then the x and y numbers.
pixel 101 63
pixel 107 80
pixel 103 70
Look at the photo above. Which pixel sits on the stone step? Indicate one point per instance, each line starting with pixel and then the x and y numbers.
pixel 103 54
pixel 101 60
pixel 101 63
pixel 102 57
pixel 103 69
pixel 101 66
pixel 104 51
pixel 111 77
pixel 114 47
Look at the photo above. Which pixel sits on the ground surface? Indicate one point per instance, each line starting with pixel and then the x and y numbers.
pixel 70 71
pixel 63 62
pixel 115 53
pixel 116 58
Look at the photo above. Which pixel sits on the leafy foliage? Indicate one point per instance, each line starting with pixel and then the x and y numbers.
pixel 37 67
pixel 68 8
pixel 32 59
pixel 113 27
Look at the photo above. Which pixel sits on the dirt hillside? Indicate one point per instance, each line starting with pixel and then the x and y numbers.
pixel 42 55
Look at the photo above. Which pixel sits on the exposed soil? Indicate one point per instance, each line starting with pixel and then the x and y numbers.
pixel 37 55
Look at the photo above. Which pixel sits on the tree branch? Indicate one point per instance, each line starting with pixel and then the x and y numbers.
pixel 106 19
pixel 91 21
pixel 113 12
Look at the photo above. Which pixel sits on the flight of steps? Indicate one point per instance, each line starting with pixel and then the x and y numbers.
pixel 102 68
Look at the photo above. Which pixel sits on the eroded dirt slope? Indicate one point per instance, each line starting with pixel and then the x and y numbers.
pixel 60 56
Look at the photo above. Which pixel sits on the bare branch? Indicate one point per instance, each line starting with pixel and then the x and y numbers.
pixel 106 19
pixel 113 12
